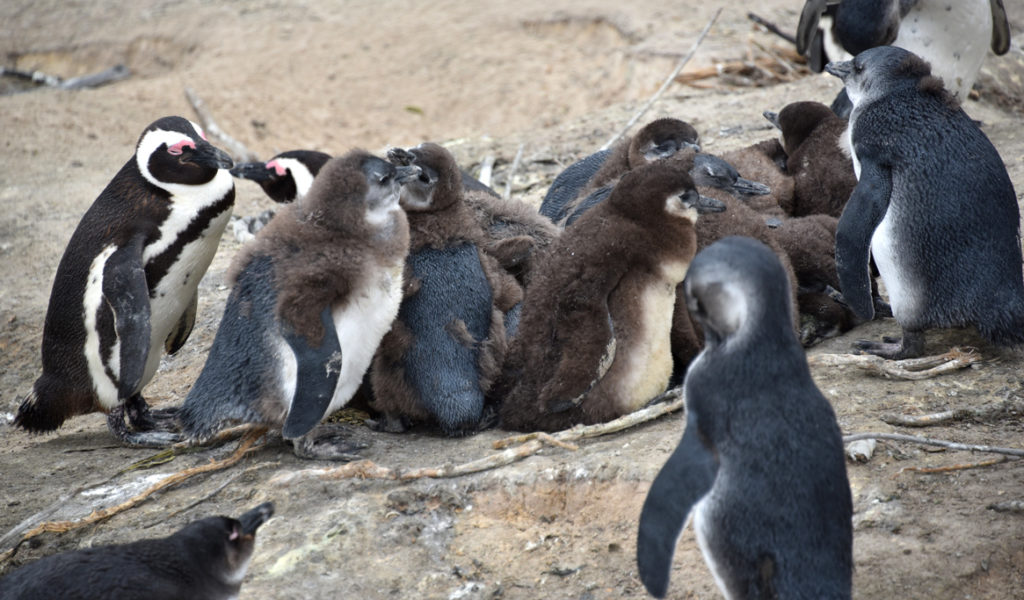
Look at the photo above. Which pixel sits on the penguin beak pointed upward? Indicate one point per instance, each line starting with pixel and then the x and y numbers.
pixel 773 118
pixel 252 520
pixel 254 171
pixel 405 174
pixel 206 155
pixel 840 69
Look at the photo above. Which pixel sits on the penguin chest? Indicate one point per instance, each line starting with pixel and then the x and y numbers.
pixel 709 540
pixel 892 258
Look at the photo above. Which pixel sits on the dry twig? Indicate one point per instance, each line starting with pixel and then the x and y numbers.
pixel 511 172
pixel 236 149
pixel 1014 506
pixel 1010 406
pixel 899 437
pixel 913 369
pixel 951 468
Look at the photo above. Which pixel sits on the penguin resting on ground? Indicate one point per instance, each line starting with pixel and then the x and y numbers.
pixel 313 295
pixel 933 205
pixel 125 289
pixel 205 560
pixel 448 342
pixel 760 469
pixel 593 338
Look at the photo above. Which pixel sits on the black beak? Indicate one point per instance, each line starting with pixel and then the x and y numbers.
pixel 401 156
pixel 747 187
pixel 704 204
pixel 773 118
pixel 254 171
pixel 405 174
pixel 840 69
pixel 252 520
pixel 206 155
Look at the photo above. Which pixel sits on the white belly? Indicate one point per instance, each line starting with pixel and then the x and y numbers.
pixel 702 528
pixel 902 293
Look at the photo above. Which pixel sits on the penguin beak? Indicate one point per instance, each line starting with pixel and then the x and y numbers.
pixel 401 156
pixel 747 187
pixel 703 204
pixel 254 171
pixel 252 520
pixel 405 174
pixel 773 118
pixel 206 155
pixel 840 69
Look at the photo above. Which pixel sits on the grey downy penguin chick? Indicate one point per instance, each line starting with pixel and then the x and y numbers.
pixel 205 560
pixel 760 470
pixel 953 36
pixel 934 207
pixel 126 288
pixel 515 234
pixel 313 295
pixel 448 342
pixel 593 340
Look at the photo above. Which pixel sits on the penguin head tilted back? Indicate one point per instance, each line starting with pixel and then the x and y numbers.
pixel 285 177
pixel 439 184
pixel 173 153
pixel 883 70
pixel 797 121
pixel 660 139
pixel 225 545
pixel 649 193
pixel 734 288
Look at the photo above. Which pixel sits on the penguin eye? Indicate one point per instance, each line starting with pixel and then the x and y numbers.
pixel 384 178
pixel 180 147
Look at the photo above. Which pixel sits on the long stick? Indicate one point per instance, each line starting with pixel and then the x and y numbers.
pixel 899 437
pixel 235 148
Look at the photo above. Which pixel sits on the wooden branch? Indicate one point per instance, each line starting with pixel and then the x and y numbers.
pixel 487 170
pixel 981 413
pixel 34 76
pixel 244 447
pixel 1014 506
pixel 899 437
pixel 771 27
pixel 913 369
pixel 114 73
pixel 664 86
pixel 511 173
pixel 236 149
pixel 952 468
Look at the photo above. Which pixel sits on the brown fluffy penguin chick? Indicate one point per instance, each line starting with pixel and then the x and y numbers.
pixel 765 162
pixel 822 171
pixel 448 342
pixel 593 339
pixel 514 232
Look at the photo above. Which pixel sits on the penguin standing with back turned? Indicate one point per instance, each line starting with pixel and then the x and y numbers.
pixel 934 206
pixel 205 560
pixel 126 288
pixel 760 470
pixel 313 295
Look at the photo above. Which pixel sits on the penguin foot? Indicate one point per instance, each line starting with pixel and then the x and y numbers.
pixel 389 423
pixel 138 439
pixel 327 442
pixel 910 346
pixel 882 308
pixel 143 418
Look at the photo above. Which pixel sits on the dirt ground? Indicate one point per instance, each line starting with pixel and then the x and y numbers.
pixel 556 79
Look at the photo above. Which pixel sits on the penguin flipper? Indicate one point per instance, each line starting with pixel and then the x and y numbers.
pixel 594 355
pixel 183 328
pixel 1000 28
pixel 685 478
pixel 862 215
pixel 317 377
pixel 126 292
pixel 807 27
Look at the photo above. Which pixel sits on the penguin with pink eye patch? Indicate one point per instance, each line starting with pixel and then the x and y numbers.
pixel 286 177
pixel 126 288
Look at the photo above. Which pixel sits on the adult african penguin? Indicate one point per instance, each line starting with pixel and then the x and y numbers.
pixel 205 560
pixel 448 342
pixel 125 289
pixel 760 470
pixel 934 207
pixel 593 337
pixel 953 36
pixel 313 295
pixel 285 177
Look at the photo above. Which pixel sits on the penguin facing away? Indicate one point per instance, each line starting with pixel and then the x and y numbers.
pixel 515 233
pixel 205 560
pixel 125 289
pixel 934 206
pixel 593 338
pixel 285 177
pixel 760 469
pixel 313 295
pixel 448 342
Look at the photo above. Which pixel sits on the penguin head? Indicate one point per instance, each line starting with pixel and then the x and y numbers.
pixel 285 177
pixel 353 189
pixel 224 545
pixel 173 152
pixel 880 71
pixel 661 139
pixel 650 193
pixel 732 285
pixel 439 183
pixel 797 121
pixel 711 171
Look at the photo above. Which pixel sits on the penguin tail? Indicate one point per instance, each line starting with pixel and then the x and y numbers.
pixel 48 405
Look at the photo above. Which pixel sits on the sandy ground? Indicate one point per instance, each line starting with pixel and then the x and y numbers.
pixel 556 79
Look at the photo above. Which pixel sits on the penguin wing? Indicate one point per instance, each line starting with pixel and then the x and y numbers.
pixel 569 183
pixel 318 369
pixel 126 292
pixel 685 478
pixel 1000 28
pixel 862 215
pixel 807 27
pixel 179 335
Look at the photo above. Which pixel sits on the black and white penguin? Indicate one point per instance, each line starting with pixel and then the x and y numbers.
pixel 760 470
pixel 286 177
pixel 593 340
pixel 448 342
pixel 205 560
pixel 313 295
pixel 953 36
pixel 125 289
pixel 934 206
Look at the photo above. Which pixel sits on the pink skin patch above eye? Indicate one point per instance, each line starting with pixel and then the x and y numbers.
pixel 276 166
pixel 177 148
pixel 234 534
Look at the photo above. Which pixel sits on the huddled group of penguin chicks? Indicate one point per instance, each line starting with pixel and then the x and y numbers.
pixel 646 263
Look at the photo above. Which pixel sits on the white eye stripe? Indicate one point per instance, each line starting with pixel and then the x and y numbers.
pixel 151 142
